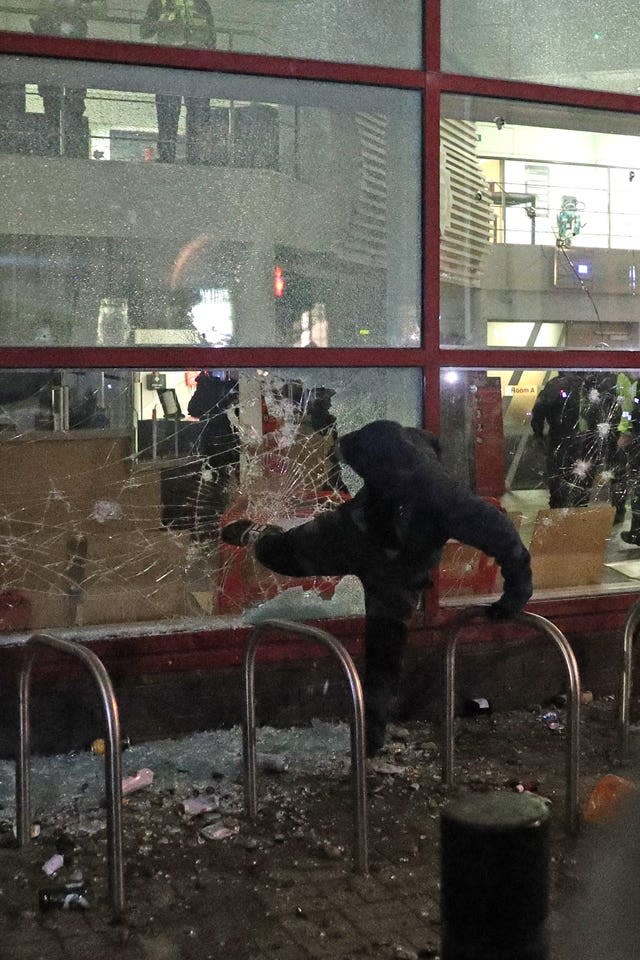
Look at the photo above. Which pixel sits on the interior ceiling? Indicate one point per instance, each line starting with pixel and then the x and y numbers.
pixel 518 113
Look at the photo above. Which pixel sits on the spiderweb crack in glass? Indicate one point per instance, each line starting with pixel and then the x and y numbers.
pixel 151 525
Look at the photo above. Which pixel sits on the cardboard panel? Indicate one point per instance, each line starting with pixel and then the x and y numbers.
pixel 125 605
pixel 568 545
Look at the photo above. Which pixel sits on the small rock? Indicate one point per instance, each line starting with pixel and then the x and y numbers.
pixel 216 832
pixel 381 766
pixel 404 953
pixel 331 851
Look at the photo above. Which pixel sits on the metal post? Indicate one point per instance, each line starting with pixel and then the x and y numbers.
pixel 358 764
pixel 495 877
pixel 113 758
pixel 630 630
pixel 573 741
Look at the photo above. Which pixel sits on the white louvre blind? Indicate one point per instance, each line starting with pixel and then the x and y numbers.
pixel 466 218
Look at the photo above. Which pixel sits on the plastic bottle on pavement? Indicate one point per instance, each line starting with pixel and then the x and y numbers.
pixel 272 763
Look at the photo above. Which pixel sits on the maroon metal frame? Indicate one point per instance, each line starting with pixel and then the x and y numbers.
pixel 598 612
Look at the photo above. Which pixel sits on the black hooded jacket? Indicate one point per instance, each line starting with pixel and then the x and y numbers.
pixel 420 506
pixel 559 405
pixel 392 532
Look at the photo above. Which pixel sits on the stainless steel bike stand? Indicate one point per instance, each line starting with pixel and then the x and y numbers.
pixel 358 767
pixel 630 629
pixel 113 760
pixel 548 629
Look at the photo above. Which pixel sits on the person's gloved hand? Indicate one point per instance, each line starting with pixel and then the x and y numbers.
pixel 504 609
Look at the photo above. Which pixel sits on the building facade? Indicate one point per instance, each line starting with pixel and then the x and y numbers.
pixel 322 214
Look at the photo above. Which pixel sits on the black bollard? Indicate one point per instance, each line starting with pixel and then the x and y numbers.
pixel 495 877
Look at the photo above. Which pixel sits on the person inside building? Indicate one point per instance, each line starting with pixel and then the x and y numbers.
pixel 214 398
pixel 390 535
pixel 558 408
pixel 181 23
pixel 629 442
pixel 67 129
pixel 601 422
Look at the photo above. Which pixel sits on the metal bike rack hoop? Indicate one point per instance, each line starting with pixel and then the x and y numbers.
pixel 358 770
pixel 549 629
pixel 113 760
pixel 624 711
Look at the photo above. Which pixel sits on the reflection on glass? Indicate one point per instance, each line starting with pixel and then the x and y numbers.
pixel 560 451
pixel 528 40
pixel 165 207
pixel 114 486
pixel 322 30
pixel 540 234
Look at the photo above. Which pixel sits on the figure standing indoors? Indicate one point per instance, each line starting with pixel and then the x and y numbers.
pixel 67 128
pixel 558 407
pixel 629 440
pixel 185 23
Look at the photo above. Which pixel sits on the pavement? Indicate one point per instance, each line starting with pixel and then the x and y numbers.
pixel 203 882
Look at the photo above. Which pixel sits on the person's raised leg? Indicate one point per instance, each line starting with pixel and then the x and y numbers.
pixel 329 545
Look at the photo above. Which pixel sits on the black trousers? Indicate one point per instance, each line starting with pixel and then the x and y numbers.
pixel 337 544
pixel 66 126
pixel 168 114
pixel 569 485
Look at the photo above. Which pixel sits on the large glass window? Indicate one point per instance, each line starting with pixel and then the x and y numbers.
pixel 560 452
pixel 163 207
pixel 540 226
pixel 572 44
pixel 240 218
pixel 355 32
pixel 114 484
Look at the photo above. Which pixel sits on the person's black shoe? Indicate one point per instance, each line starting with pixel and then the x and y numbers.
pixel 630 537
pixel 620 515
pixel 237 534
pixel 243 533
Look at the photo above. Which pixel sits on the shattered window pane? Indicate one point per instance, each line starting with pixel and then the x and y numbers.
pixel 294 209
pixel 527 40
pixel 115 484
pixel 560 452
pixel 323 30
pixel 540 226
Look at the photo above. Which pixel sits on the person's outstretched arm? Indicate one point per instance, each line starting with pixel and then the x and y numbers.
pixel 479 524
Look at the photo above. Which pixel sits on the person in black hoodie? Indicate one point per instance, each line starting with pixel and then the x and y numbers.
pixel 390 535
pixel 559 406
pixel 218 442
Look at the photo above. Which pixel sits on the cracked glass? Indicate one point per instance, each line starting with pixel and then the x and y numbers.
pixel 540 226
pixel 572 44
pixel 146 206
pixel 116 483
pixel 352 31
pixel 559 451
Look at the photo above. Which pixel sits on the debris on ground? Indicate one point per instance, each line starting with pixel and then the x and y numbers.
pixel 202 881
